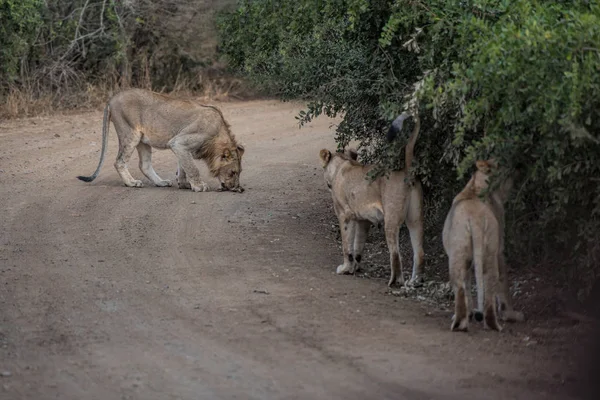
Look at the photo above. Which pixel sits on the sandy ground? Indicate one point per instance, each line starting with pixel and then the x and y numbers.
pixel 108 292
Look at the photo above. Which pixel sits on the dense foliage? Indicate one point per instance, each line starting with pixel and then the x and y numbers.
pixel 515 79
pixel 62 47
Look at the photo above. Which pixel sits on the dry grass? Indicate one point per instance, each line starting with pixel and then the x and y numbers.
pixel 23 103
pixel 211 83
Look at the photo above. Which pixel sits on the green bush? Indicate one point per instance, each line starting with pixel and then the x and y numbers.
pixel 19 20
pixel 58 48
pixel 517 80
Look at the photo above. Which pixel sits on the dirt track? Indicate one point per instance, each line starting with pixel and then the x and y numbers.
pixel 109 292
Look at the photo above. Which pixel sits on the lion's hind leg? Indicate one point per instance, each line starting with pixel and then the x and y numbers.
pixel 182 181
pixel 360 237
pixel 145 156
pixel 507 313
pixel 391 235
pixel 458 278
pixel 128 141
pixel 490 287
pixel 414 223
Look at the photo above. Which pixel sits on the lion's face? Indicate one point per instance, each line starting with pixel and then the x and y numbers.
pixel 484 171
pixel 230 169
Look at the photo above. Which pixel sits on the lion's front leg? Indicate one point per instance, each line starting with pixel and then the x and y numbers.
pixel 181 146
pixel 182 181
pixel 347 229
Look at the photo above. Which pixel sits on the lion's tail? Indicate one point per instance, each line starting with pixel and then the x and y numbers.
pixel 409 150
pixel 105 127
pixel 396 127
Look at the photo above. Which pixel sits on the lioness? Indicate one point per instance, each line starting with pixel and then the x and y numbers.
pixel 144 120
pixel 474 234
pixel 359 203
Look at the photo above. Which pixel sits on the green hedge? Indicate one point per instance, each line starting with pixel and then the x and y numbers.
pixel 56 46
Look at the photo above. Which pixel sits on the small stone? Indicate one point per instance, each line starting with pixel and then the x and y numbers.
pixel 5 374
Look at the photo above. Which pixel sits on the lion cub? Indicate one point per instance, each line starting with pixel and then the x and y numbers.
pixel 358 203
pixel 474 234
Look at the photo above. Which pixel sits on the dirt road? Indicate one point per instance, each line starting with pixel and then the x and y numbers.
pixel 108 292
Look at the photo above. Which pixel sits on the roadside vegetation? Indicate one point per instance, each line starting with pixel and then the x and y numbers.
pixel 62 54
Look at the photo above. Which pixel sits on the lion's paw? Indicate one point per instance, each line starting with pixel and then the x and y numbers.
pixel 201 187
pixel 460 326
pixel 164 183
pixel 342 269
pixel 135 184
pixel 416 281
pixel 184 185
pixel 396 281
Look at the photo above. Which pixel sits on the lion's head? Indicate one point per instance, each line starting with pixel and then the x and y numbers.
pixel 481 179
pixel 330 162
pixel 223 155
pixel 229 168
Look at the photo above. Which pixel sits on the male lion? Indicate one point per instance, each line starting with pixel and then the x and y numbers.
pixel 144 120
pixel 358 203
pixel 474 234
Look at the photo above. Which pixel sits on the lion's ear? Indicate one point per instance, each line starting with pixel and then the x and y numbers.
pixel 482 166
pixel 325 157
pixel 352 154
pixel 241 149
pixel 226 154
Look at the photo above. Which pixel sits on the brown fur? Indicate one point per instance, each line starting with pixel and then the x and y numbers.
pixel 359 203
pixel 474 234
pixel 146 120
